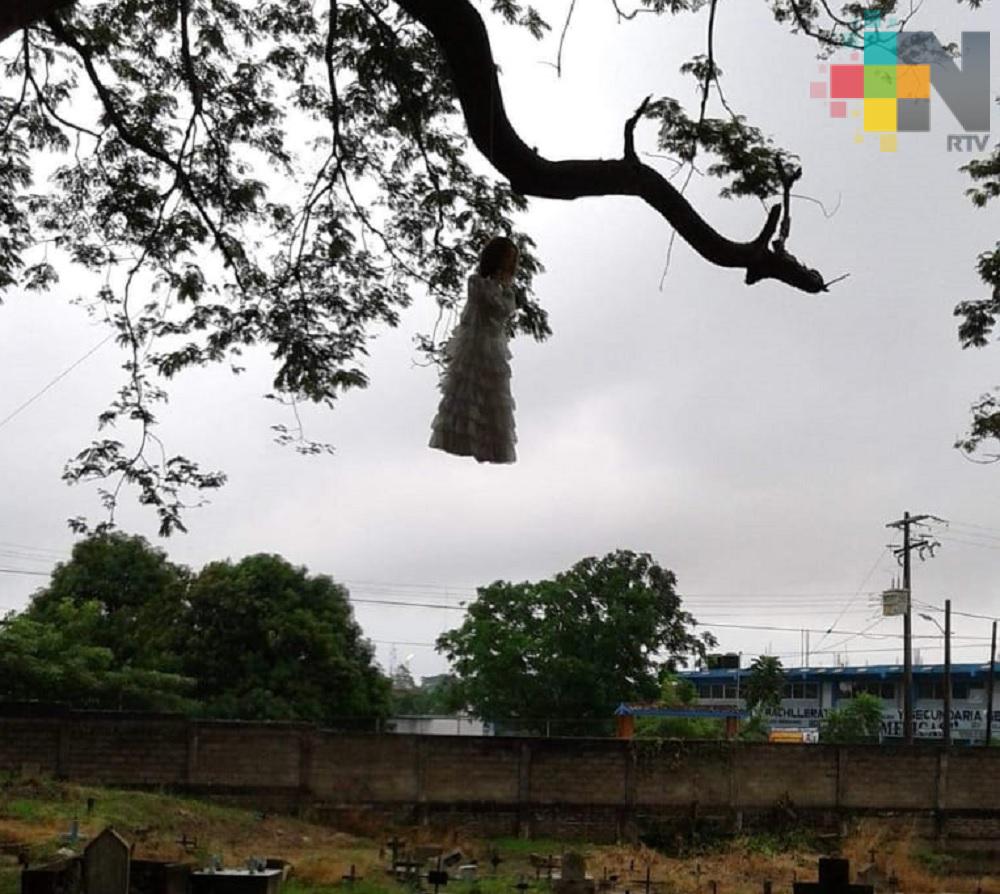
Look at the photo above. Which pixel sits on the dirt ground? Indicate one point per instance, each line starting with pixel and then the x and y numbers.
pixel 36 819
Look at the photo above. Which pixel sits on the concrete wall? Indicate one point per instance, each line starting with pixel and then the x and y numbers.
pixel 601 788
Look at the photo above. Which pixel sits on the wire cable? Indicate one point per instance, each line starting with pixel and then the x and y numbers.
pixel 58 378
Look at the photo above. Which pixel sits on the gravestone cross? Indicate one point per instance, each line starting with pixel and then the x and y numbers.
pixel 106 864
pixel 834 878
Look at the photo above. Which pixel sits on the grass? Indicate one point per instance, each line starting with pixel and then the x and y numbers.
pixel 543 846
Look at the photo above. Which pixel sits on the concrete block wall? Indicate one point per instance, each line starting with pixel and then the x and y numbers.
pixel 592 787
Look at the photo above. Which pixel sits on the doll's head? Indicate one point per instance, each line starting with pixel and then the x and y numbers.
pixel 498 259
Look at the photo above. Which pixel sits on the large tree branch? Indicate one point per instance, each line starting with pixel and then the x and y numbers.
pixel 18 14
pixel 462 37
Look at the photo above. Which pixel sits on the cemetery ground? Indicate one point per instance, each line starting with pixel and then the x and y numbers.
pixel 38 818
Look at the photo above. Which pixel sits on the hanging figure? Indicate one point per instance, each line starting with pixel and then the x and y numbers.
pixel 476 413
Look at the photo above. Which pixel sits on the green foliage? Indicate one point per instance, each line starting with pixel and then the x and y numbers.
pixel 444 697
pixel 774 843
pixel 763 686
pixel 122 627
pixel 105 632
pixel 935 862
pixel 572 647
pixel 755 729
pixel 676 692
pixel 57 660
pixel 858 721
pixel 138 591
pixel 267 640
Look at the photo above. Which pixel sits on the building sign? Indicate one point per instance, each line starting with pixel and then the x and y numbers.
pixel 966 723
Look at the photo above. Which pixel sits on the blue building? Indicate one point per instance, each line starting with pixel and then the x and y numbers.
pixel 811 692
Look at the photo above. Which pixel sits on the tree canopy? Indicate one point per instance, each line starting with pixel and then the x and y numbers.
pixel 267 639
pixel 291 175
pixel 138 592
pixel 856 721
pixel 763 686
pixel 120 626
pixel 676 692
pixel 572 647
pixel 58 660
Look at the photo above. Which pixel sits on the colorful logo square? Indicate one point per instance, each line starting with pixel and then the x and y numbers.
pixel 880 114
pixel 913 81
pixel 847 81
pixel 880 48
pixel 880 82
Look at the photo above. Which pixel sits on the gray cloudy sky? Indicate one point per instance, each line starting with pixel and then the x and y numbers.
pixel 754 440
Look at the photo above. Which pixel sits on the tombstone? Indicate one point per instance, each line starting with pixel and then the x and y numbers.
pixel 574 867
pixel 467 872
pixel 158 877
pixel 834 878
pixel 60 877
pixel 236 881
pixel 437 878
pixel 283 866
pixel 452 858
pixel 106 864
pixel 573 876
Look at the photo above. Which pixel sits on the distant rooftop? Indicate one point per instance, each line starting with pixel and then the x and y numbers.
pixel 826 673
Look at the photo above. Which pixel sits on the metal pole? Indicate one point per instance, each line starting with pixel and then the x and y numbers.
pixel 947 673
pixel 989 686
pixel 907 638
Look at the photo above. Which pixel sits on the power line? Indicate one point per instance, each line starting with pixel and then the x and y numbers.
pixel 937 608
pixel 58 378
pixel 839 617
pixel 949 539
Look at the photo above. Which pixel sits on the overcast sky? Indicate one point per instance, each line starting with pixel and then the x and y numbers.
pixel 754 440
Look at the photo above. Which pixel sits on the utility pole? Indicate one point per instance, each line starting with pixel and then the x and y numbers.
pixel 947 673
pixel 990 684
pixel 922 544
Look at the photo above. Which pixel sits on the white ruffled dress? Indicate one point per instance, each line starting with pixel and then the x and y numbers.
pixel 476 413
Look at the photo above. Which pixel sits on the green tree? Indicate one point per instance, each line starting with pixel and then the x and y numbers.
pixel 763 686
pixel 443 697
pixel 755 729
pixel 857 721
pixel 139 594
pixel 267 640
pixel 572 647
pixel 59 660
pixel 676 692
